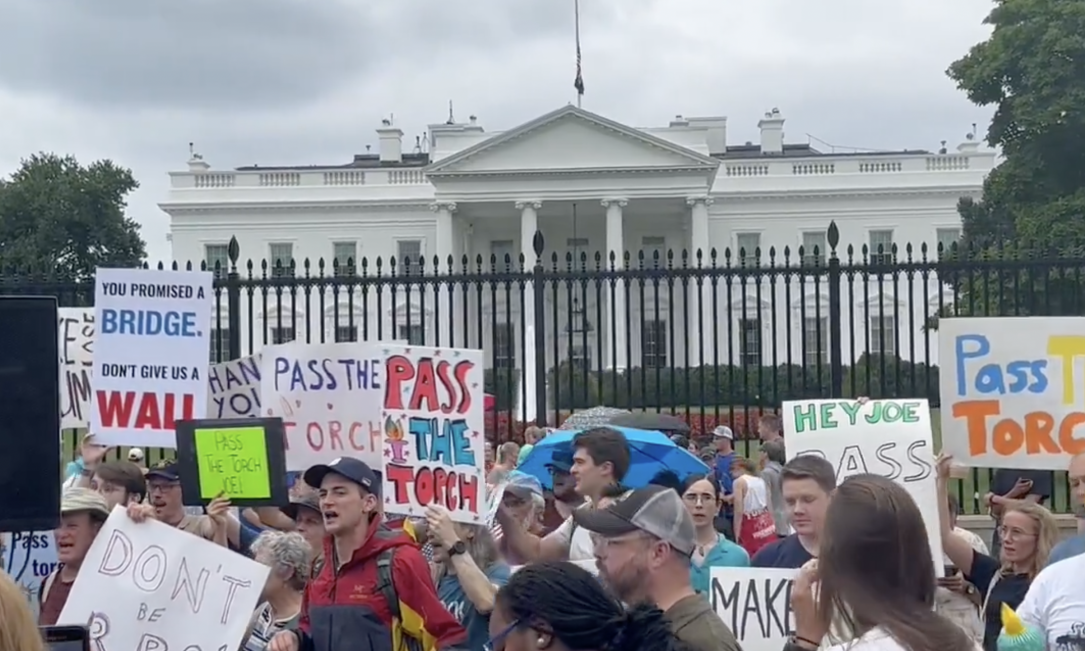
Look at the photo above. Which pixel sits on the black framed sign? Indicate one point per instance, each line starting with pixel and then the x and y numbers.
pixel 240 458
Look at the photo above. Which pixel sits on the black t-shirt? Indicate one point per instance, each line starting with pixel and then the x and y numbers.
pixel 1008 589
pixel 1004 479
pixel 786 553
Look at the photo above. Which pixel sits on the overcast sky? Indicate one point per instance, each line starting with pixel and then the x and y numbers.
pixel 301 82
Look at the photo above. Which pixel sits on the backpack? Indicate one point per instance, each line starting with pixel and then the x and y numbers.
pixel 386 586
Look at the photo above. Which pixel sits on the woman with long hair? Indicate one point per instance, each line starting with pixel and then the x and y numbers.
pixel 467 570
pixel 18 630
pixel 701 496
pixel 558 606
pixel 754 525
pixel 872 584
pixel 1028 531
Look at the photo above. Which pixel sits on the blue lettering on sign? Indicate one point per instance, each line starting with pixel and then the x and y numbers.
pixel 1014 377
pixel 445 443
pixel 328 374
pixel 149 323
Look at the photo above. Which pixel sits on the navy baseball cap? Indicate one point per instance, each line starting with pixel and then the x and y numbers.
pixel 353 469
pixel 164 470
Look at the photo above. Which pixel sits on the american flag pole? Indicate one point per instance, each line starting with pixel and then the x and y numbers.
pixel 578 82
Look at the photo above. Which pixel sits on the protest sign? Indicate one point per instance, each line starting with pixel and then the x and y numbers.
pixel 329 397
pixel 150 355
pixel 241 458
pixel 434 432
pixel 233 388
pixel 28 558
pixel 756 604
pixel 1012 390
pixel 166 589
pixel 76 328
pixel 891 438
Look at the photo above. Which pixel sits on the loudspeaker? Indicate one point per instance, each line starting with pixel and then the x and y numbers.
pixel 29 414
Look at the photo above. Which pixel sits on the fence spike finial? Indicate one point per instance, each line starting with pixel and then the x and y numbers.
pixel 833 235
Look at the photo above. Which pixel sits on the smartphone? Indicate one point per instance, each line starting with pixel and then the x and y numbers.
pixel 66 638
pixel 950 570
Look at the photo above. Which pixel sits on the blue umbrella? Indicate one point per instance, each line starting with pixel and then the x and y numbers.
pixel 651 452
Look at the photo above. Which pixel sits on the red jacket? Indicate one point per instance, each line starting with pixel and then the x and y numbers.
pixel 341 606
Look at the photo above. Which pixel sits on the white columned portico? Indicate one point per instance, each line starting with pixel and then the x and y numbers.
pixel 616 353
pixel 700 293
pixel 444 248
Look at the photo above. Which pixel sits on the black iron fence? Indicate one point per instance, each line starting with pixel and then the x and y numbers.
pixel 715 337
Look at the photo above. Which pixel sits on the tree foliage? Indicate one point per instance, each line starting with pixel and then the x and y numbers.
pixel 1032 72
pixel 58 215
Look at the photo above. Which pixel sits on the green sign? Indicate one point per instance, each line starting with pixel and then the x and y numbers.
pixel 233 462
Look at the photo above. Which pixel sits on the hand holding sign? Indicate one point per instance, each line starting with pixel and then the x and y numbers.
pixel 440 526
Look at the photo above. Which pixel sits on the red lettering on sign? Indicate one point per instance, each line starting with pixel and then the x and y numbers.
pixel 453 490
pixel 152 411
pixel 439 385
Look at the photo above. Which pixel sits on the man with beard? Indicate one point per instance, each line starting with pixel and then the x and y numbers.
pixel 563 499
pixel 643 545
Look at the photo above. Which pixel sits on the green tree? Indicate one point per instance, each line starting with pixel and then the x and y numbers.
pixel 1032 72
pixel 56 214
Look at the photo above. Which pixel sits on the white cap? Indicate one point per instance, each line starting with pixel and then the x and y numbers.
pixel 723 432
pixel 135 455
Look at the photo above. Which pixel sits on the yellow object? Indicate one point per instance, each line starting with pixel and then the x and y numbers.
pixel 1011 623
pixel 233 462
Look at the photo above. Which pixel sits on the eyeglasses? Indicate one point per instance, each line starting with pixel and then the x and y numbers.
pixel 499 639
pixel 703 498
pixel 1007 533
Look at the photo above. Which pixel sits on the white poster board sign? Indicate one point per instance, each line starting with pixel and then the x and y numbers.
pixel 233 388
pixel 1012 390
pixel 28 557
pixel 76 332
pixel 891 438
pixel 756 604
pixel 166 589
pixel 151 353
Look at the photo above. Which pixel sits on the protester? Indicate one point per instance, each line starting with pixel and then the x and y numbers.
pixel 135 455
pixel 600 460
pixel 467 570
pixel 1028 534
pixel 557 606
pixel 708 457
pixel 488 459
pixel 166 506
pixel 120 482
pixel 18 631
pixel 523 499
pixel 304 514
pixel 773 458
pixel 643 549
pixel 724 441
pixel 507 456
pixel 532 435
pixel 874 582
pixel 82 514
pixel 563 499
pixel 712 549
pixel 290 559
pixel 806 483
pixel 770 428
pixel 956 598
pixel 1076 545
pixel 77 473
pixel 1008 485
pixel 358 551
pixel 753 523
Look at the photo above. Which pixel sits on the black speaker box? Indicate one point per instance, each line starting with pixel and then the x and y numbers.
pixel 30 461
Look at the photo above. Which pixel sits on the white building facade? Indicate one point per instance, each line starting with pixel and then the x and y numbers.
pixel 588 185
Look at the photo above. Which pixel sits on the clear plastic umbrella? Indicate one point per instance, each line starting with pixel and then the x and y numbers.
pixel 593 417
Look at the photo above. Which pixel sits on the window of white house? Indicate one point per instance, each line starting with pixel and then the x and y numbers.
pixel 280 258
pixel 881 247
pixel 409 257
pixel 414 334
pixel 947 237
pixel 749 344
pixel 503 255
pixel 747 248
pixel 282 335
pixel 883 335
pixel 653 345
pixel 346 333
pixel 580 355
pixel 815 340
pixel 217 254
pixel 815 248
pixel 654 248
pixel 504 346
pixel 345 258
pixel 220 345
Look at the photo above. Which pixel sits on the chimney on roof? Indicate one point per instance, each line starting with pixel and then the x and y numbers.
pixel 970 144
pixel 391 142
pixel 473 125
pixel 772 132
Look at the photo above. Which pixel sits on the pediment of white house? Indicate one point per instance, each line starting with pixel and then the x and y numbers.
pixel 569 140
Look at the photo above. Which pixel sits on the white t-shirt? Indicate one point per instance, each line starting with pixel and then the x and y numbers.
pixel 1055 604
pixel 577 539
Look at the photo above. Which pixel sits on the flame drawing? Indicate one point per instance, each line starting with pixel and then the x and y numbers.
pixel 393 434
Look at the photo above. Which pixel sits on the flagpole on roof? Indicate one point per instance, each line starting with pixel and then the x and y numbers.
pixel 578 82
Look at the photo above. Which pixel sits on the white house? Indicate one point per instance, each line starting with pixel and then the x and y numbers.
pixel 588 184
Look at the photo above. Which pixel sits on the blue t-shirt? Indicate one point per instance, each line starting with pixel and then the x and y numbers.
pixel 456 602
pixel 724 479
pixel 723 554
pixel 1068 548
pixel 785 554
